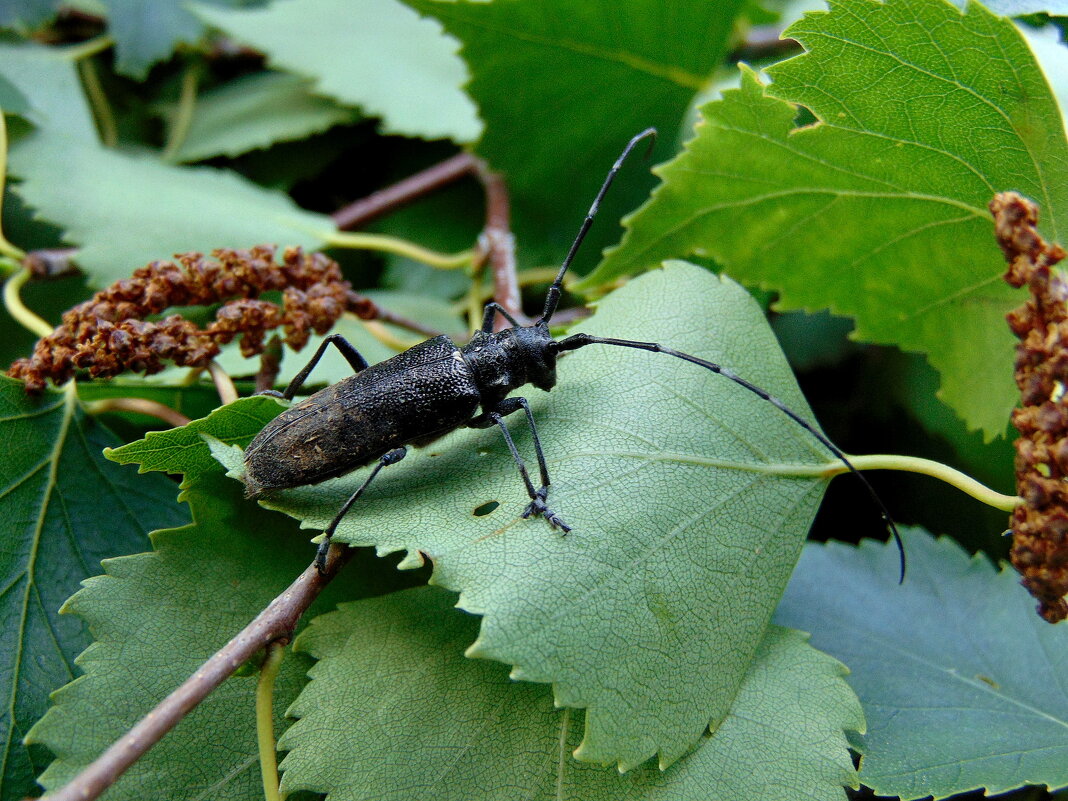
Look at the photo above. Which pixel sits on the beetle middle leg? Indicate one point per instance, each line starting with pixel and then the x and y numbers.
pixel 348 350
pixel 538 496
pixel 392 457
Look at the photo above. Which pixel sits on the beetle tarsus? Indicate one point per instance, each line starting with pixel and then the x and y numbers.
pixel 537 507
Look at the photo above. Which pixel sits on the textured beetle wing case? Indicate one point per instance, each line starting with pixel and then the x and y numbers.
pixel 412 398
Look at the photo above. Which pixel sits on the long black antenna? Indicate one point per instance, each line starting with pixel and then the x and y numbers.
pixel 553 295
pixel 582 340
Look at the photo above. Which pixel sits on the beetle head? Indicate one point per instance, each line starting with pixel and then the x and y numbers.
pixel 538 351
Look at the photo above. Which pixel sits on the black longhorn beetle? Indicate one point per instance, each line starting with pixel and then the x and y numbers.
pixel 436 387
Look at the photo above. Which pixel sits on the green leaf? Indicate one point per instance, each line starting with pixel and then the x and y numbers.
pixel 961 681
pixel 48 78
pixel 28 13
pixel 64 508
pixel 12 101
pixel 125 210
pixel 880 210
pixel 593 75
pixel 377 55
pixel 681 487
pixel 149 32
pixel 255 111
pixel 394 711
pixel 155 618
pixel 182 450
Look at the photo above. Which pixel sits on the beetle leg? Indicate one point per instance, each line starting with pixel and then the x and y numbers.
pixel 352 356
pixel 490 313
pixel 537 504
pixel 328 533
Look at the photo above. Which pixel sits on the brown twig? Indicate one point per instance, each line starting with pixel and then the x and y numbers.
pixel 765 42
pixel 373 206
pixel 279 619
pixel 366 309
pixel 498 244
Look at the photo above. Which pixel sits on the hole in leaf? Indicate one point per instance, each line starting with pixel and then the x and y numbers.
pixel 485 509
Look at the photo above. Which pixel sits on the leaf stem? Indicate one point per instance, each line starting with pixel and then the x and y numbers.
pixel 386 337
pixel 400 247
pixel 94 91
pixel 183 117
pixel 17 309
pixel 89 48
pixel 140 406
pixel 928 467
pixel 265 718
pixel 6 248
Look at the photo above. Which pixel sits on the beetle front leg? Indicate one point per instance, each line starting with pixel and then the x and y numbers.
pixel 538 496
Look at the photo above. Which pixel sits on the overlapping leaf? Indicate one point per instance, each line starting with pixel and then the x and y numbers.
pixel 962 683
pixel 149 32
pixel 593 75
pixel 377 55
pixel 156 617
pixel 64 509
pixel 432 724
pixel 125 210
pixel 879 211
pixel 689 499
pixel 255 111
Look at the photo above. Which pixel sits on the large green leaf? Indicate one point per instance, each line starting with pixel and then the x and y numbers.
pixel 394 711
pixel 125 210
pixel 48 78
pixel 64 509
pixel 593 74
pixel 879 211
pixel 255 111
pixel 375 54
pixel 961 681
pixel 689 498
pixel 156 617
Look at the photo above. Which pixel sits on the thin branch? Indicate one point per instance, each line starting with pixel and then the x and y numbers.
pixel 498 243
pixel 183 115
pixel 279 619
pixel 98 101
pixel 400 247
pixel 373 206
pixel 765 43
pixel 270 364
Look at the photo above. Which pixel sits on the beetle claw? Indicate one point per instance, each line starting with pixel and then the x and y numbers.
pixel 538 507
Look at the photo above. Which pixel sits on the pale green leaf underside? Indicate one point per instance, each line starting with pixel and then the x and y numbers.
pixel 378 55
pixel 255 111
pixel 64 509
pixel 880 211
pixel 155 618
pixel 48 78
pixel 974 694
pixel 685 530
pixel 562 86
pixel 430 724
pixel 124 210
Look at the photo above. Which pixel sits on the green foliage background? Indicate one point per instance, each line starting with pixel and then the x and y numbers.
pixel 844 179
